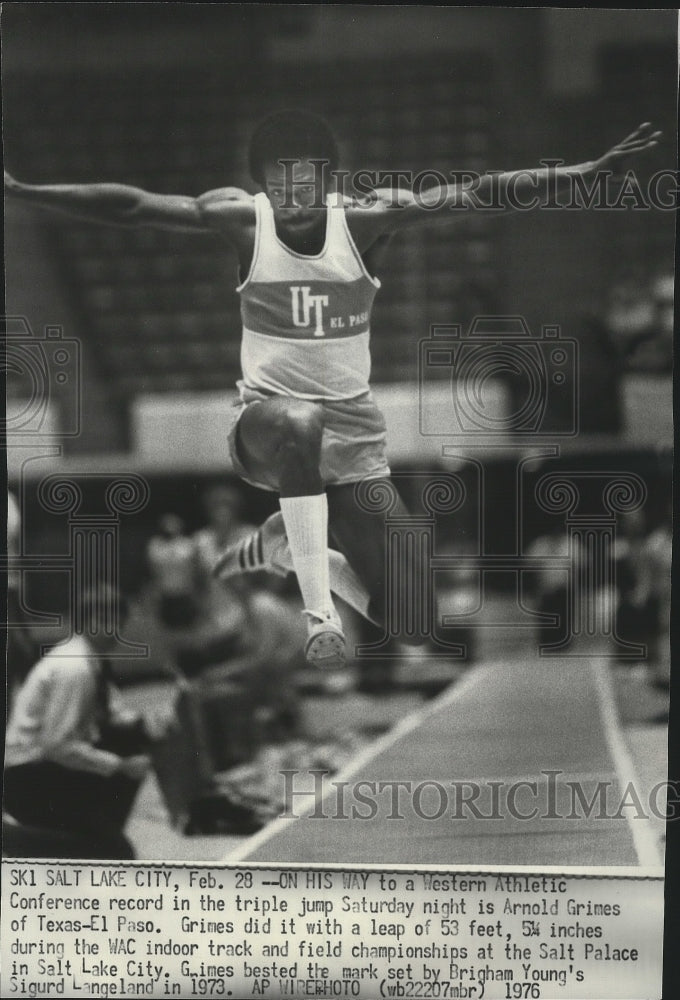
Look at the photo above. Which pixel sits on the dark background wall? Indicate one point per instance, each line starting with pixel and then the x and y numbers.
pixel 565 84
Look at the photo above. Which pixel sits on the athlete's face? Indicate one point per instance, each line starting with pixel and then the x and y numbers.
pixel 297 195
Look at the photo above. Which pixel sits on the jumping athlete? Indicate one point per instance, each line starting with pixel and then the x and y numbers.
pixel 307 425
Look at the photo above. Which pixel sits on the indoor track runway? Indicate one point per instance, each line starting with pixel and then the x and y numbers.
pixel 521 763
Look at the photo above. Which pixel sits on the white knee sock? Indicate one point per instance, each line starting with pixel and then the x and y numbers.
pixel 343 580
pixel 306 521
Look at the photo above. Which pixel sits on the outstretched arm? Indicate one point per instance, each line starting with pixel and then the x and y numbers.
pixel 124 205
pixel 387 210
pixel 522 189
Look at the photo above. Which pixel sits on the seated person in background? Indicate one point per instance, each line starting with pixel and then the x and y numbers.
pixel 61 773
pixel 172 560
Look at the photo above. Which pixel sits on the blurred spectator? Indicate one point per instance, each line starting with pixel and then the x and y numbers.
pixel 638 319
pixel 269 653
pixel 658 555
pixel 633 333
pixel 643 579
pixel 216 634
pixel 233 708
pixel 635 614
pixel 73 759
pixel 223 506
pixel 459 597
pixel 652 350
pixel 629 311
pixel 172 560
pixel 663 290
pixel 551 584
pixel 186 765
pixel 22 650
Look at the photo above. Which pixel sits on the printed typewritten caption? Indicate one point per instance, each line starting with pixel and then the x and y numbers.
pixel 131 930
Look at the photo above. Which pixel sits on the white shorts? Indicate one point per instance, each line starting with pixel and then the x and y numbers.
pixel 352 447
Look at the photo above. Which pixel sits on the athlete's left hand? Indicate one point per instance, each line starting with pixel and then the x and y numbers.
pixel 637 142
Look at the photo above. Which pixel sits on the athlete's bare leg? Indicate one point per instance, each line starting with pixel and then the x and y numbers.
pixel 360 536
pixel 280 439
pixel 267 549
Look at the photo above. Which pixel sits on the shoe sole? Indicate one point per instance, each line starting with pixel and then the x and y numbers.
pixel 326 650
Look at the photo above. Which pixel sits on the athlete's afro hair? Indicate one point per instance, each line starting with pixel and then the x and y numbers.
pixel 289 135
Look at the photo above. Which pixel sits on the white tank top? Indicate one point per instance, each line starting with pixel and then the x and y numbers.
pixel 306 319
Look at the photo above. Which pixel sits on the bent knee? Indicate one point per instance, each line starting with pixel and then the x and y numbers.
pixel 299 422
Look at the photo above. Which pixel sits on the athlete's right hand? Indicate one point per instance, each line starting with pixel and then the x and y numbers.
pixel 135 767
